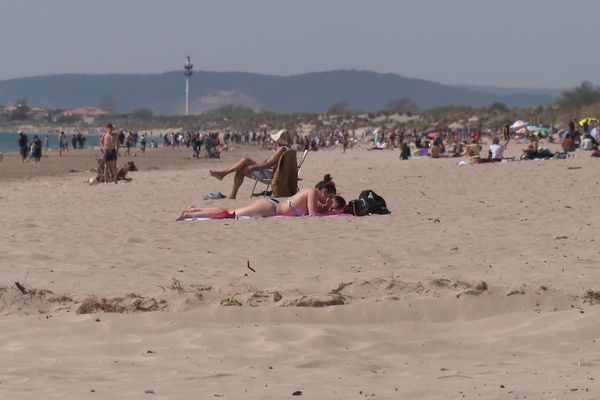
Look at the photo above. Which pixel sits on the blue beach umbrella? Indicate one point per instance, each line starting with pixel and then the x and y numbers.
pixel 535 128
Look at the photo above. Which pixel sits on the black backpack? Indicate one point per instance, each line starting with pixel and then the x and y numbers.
pixel 368 202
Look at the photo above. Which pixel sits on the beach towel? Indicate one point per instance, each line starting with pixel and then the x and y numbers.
pixel 285 176
pixel 276 216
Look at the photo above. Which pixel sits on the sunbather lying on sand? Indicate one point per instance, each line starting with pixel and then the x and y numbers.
pixel 309 201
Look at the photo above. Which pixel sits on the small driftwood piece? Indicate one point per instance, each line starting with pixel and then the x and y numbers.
pixel 21 288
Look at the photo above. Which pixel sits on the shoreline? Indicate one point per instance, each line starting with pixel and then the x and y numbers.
pixel 77 161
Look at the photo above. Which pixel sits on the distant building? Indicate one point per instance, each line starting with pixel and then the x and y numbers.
pixel 24 111
pixel 86 114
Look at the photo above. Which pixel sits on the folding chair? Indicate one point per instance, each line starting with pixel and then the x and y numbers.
pixel 264 192
pixel 283 161
pixel 302 162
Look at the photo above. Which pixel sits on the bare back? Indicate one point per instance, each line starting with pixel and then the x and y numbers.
pixel 305 202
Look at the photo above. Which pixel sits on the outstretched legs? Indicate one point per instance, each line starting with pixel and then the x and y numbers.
pixel 240 165
pixel 258 208
pixel 193 212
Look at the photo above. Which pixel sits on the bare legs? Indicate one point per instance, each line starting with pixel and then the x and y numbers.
pixel 238 179
pixel 241 164
pixel 240 169
pixel 193 212
pixel 258 208
pixel 107 170
pixel 110 168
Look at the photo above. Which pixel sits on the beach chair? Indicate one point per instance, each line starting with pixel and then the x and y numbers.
pixel 285 176
pixel 302 162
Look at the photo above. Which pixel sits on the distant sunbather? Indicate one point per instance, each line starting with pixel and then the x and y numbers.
pixel 473 149
pixel 496 152
pixel 309 201
pixel 531 151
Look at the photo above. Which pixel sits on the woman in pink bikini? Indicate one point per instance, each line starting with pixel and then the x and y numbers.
pixel 308 201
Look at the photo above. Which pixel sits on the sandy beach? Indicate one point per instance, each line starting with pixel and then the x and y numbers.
pixel 476 286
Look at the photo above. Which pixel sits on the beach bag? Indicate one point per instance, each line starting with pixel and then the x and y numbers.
pixel 368 202
pixel 357 207
pixel 375 202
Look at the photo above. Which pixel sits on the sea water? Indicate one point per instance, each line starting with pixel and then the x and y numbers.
pixel 9 141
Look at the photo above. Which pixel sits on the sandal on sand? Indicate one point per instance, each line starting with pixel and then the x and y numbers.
pixel 214 196
pixel 224 215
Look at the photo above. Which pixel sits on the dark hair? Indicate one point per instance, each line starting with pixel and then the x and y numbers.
pixel 341 202
pixel 109 126
pixel 326 183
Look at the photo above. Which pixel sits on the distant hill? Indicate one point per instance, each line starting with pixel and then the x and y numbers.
pixel 310 92
pixel 224 98
pixel 511 91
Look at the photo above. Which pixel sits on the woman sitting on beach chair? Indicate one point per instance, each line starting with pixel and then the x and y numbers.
pixel 309 201
pixel 247 167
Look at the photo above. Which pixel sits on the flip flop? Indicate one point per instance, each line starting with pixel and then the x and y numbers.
pixel 214 196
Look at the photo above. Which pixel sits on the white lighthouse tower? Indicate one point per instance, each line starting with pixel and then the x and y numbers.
pixel 187 71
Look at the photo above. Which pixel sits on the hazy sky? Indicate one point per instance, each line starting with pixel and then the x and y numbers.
pixel 517 43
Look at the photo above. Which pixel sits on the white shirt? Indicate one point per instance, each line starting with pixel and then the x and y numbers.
pixel 497 151
pixel 587 144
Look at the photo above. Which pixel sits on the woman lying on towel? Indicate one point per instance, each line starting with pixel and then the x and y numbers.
pixel 309 201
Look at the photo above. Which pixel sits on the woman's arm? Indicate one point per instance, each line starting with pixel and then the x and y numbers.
pixel 312 203
pixel 324 207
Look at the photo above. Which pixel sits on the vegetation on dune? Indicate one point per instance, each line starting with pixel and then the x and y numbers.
pixel 583 95
pixel 404 105
pixel 581 101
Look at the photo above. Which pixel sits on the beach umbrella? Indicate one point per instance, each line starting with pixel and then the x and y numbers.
pixel 518 124
pixel 588 120
pixel 522 131
pixel 535 128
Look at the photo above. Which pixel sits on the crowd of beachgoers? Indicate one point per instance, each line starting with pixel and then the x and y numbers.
pixel 582 135
pixel 433 143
